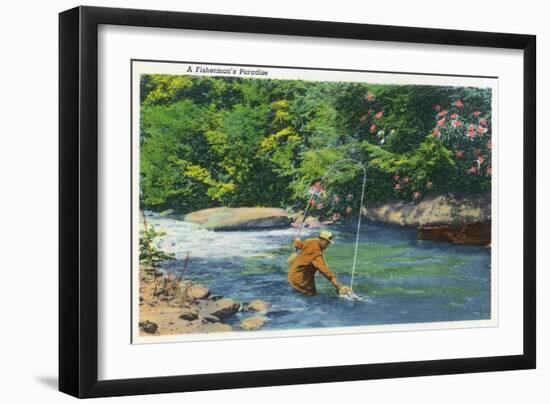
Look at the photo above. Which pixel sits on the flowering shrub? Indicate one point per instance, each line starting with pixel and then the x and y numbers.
pixel 455 156
pixel 330 205
pixel 466 131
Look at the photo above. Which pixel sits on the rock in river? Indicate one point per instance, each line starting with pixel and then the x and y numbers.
pixel 219 308
pixel 198 292
pixel 239 218
pixel 253 323
pixel 258 305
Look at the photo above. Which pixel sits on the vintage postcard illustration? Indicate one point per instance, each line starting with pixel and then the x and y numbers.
pixel 285 201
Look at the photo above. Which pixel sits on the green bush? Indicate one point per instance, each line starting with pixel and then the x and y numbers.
pixel 149 252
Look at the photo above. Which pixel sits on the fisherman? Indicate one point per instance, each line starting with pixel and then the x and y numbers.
pixel 310 260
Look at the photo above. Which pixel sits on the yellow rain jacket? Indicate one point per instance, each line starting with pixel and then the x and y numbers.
pixel 310 260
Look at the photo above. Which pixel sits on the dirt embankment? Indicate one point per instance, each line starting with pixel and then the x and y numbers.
pixel 170 306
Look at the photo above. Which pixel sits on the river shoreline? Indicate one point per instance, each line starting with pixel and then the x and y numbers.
pixel 458 220
pixel 170 306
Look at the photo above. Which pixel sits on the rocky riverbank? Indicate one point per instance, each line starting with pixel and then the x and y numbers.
pixel 459 220
pixel 439 210
pixel 169 306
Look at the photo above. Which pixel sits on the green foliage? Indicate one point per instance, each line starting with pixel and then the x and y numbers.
pixel 149 252
pixel 172 138
pixel 211 141
pixel 431 162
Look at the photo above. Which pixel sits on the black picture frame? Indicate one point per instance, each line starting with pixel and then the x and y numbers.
pixel 78 196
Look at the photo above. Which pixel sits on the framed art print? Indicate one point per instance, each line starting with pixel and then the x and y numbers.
pixel 238 194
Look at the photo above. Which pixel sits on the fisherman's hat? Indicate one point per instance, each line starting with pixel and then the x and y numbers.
pixel 326 235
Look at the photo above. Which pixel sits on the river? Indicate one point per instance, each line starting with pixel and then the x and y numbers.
pixel 403 280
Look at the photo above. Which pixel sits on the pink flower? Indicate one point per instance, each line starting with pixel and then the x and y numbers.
pixel 436 133
pixel 416 194
pixel 349 210
pixel 429 185
pixel 349 197
pixel 320 206
pixel 442 113
pixel 472 169
pixel 459 104
pixel 397 186
pixel 471 131
pixel 336 216
pixel 459 154
pixel 316 188
pixel 480 160
pixel 457 124
pixel 437 107
pixel 454 116
pixel 336 198
pixel 476 113
pixel 372 128
pixel 378 115
pixel 483 122
pixel 441 122
pixel 396 177
pixel 481 130
pixel 489 171
pixel 312 202
pixel 370 96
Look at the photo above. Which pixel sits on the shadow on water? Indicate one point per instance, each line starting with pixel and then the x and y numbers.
pixel 404 279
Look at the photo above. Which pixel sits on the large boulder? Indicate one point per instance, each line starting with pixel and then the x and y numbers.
pixel 239 218
pixel 440 210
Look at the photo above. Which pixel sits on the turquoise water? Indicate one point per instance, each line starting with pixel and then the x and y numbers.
pixel 403 280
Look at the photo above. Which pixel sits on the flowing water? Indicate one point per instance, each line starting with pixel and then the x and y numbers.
pixel 404 280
